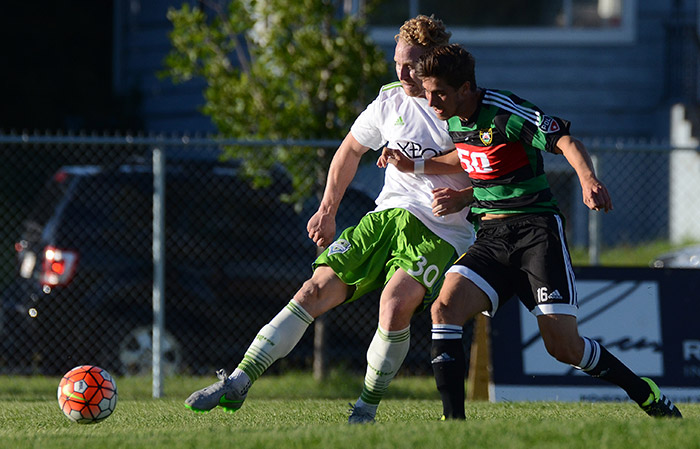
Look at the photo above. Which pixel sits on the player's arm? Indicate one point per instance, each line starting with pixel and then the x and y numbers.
pixel 440 165
pixel 321 225
pixel 595 194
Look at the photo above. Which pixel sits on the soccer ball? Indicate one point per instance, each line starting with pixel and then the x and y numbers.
pixel 87 394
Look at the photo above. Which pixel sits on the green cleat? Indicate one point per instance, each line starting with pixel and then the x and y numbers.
pixel 223 394
pixel 658 405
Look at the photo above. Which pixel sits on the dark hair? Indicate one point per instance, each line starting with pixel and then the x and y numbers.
pixel 451 63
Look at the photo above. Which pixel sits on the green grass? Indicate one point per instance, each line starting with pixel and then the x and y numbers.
pixel 293 411
pixel 627 255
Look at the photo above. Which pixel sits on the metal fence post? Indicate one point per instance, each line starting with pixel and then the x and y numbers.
pixel 320 364
pixel 158 267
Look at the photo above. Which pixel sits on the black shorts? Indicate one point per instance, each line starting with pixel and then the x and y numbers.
pixel 524 255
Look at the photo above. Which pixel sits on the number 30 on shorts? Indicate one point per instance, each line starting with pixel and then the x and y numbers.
pixel 430 273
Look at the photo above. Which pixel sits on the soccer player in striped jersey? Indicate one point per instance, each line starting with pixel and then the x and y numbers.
pixel 520 247
pixel 401 246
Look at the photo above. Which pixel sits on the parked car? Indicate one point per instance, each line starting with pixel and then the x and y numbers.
pixel 688 257
pixel 83 290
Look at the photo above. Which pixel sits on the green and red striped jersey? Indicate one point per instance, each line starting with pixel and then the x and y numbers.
pixel 500 147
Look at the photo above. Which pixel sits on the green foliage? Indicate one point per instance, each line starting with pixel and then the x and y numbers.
pixel 277 70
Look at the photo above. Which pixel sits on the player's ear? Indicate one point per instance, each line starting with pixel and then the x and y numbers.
pixel 464 88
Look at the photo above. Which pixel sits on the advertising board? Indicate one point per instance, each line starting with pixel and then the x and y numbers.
pixel 649 318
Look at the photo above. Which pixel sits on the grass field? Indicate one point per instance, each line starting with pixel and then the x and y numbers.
pixel 627 255
pixel 293 411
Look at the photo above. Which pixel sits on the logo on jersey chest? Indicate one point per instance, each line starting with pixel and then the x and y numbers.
pixel 414 150
pixel 486 136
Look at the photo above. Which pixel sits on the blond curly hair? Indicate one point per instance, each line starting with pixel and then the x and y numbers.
pixel 424 31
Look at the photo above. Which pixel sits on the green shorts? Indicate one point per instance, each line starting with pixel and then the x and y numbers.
pixel 365 256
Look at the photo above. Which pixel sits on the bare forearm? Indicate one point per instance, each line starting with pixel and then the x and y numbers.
pixel 577 156
pixel 441 165
pixel 595 194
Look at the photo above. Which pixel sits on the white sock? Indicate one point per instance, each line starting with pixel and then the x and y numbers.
pixel 446 332
pixel 591 354
pixel 240 380
pixel 275 340
pixel 385 355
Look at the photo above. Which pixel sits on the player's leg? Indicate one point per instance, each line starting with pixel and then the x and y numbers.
pixel 399 300
pixel 459 300
pixel 274 341
pixel 548 289
pixel 408 260
pixel 561 338
pixel 478 282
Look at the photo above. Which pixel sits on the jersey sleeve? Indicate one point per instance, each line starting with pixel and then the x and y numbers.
pixel 366 129
pixel 534 129
pixel 550 130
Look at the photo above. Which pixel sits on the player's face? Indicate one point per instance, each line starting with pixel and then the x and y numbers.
pixel 443 98
pixel 406 56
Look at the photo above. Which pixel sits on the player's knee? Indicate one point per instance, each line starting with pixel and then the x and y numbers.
pixel 310 298
pixel 320 294
pixel 310 291
pixel 396 312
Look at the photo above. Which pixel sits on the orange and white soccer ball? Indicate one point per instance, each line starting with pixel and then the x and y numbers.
pixel 87 394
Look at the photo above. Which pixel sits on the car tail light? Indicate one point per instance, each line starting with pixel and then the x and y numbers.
pixel 60 176
pixel 58 267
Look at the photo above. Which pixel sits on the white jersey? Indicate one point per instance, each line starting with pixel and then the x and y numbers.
pixel 410 125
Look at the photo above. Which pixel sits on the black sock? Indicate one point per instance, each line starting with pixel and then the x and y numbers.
pixel 611 369
pixel 449 367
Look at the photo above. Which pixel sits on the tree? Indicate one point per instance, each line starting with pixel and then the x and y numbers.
pixel 277 70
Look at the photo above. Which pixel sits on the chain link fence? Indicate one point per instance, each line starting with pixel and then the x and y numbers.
pixel 76 245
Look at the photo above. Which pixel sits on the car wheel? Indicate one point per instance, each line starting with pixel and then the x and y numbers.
pixel 136 352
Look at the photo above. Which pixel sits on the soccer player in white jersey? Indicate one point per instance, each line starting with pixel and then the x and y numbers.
pixel 401 246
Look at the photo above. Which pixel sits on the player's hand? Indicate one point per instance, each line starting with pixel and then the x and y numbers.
pixel 395 158
pixel 384 157
pixel 595 195
pixel 321 228
pixel 448 201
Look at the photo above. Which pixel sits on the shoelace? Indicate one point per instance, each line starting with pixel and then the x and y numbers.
pixel 221 374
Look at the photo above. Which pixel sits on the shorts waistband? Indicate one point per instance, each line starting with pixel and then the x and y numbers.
pixel 515 218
